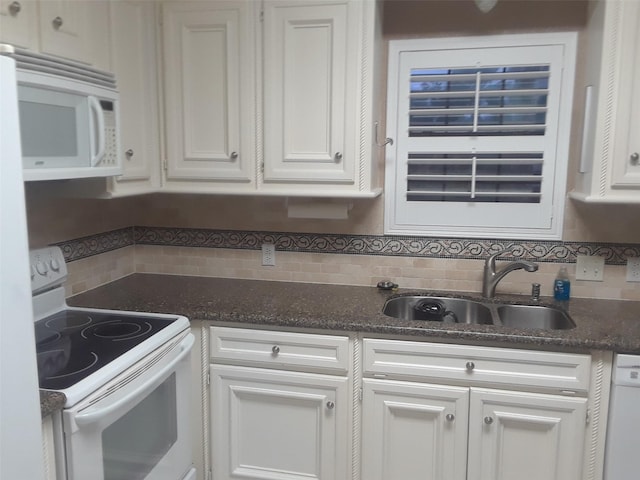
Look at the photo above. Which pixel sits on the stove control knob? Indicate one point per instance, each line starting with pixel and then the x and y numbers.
pixel 41 268
pixel 33 272
pixel 54 264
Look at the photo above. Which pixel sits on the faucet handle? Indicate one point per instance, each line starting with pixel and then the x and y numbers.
pixel 491 259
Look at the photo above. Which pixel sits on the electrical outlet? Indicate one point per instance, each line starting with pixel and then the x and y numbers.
pixel 268 254
pixel 633 269
pixel 590 267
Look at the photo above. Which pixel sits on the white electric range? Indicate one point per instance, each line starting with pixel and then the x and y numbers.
pixel 126 378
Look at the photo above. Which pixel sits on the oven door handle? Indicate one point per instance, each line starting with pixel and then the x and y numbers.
pixel 95 415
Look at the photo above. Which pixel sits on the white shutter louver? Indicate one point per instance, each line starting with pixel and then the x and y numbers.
pixel 481 127
pixel 490 101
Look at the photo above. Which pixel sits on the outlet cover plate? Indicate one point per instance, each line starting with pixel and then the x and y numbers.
pixel 633 269
pixel 268 254
pixel 590 267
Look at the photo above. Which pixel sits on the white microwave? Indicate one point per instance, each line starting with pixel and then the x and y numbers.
pixel 68 119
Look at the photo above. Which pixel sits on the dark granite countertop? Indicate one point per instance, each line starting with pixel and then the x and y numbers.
pixel 51 402
pixel 600 324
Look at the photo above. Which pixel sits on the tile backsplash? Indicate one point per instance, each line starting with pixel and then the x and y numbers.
pixel 429 263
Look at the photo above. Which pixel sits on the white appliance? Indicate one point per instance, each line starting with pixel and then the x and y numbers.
pixel 20 432
pixel 68 119
pixel 622 461
pixel 126 378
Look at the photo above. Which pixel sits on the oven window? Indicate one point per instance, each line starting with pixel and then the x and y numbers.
pixel 136 442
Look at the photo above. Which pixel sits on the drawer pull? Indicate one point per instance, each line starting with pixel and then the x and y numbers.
pixel 488 420
pixel 57 22
pixel 330 405
pixel 275 350
pixel 450 417
pixel 470 366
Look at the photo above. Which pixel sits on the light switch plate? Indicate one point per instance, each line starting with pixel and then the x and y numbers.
pixel 633 269
pixel 590 267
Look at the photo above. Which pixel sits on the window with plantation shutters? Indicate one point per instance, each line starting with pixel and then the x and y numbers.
pixel 481 128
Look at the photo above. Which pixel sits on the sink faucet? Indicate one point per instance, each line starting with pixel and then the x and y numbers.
pixel 491 277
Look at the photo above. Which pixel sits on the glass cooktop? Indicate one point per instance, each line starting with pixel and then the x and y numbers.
pixel 73 344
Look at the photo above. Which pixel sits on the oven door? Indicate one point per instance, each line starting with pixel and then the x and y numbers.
pixel 137 426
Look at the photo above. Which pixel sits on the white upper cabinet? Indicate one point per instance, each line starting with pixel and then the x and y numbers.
pixel 210 95
pixel 307 66
pixel 19 23
pixel 72 29
pixel 272 97
pixel 134 64
pixel 609 170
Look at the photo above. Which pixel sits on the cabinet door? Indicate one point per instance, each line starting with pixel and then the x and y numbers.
pixel 19 23
pixel 78 30
pixel 413 431
pixel 308 91
pixel 525 436
pixel 134 63
pixel 210 92
pixel 626 166
pixel 271 424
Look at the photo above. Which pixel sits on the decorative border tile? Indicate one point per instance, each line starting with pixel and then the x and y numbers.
pixel 454 248
pixel 84 247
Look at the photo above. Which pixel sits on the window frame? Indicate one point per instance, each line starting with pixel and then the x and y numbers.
pixel 544 222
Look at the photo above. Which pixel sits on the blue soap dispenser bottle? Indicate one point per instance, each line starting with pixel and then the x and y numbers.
pixel 562 285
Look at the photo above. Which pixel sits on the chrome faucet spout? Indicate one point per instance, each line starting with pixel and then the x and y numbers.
pixel 491 277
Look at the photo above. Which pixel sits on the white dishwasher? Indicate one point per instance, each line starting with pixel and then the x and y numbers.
pixel 622 461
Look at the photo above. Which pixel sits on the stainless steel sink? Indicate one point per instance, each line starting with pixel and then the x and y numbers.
pixel 463 310
pixel 534 316
pixel 454 310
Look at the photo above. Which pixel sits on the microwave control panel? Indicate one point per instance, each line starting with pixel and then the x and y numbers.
pixel 110 157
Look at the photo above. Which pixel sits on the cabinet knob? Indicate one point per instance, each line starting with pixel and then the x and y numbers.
pixel 129 154
pixel 450 417
pixel 57 22
pixel 470 366
pixel 14 8
pixel 275 349
pixel 234 155
pixel 338 156
pixel 330 405
pixel 634 157
pixel 488 420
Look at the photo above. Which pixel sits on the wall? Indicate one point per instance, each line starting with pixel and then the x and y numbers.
pixel 54 220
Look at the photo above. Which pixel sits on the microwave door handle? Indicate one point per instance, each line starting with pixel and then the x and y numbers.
pixel 94 106
pixel 95 415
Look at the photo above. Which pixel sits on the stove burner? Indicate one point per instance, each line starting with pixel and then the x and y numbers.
pixel 67 320
pixel 53 363
pixel 44 338
pixel 117 330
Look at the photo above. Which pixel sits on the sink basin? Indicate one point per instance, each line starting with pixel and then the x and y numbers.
pixel 443 309
pixel 534 316
pixel 464 310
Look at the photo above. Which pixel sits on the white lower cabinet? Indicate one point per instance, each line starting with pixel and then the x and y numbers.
pixel 48 448
pixel 268 422
pixel 291 405
pixel 525 436
pixel 413 431
pixel 460 412
pixel 436 432
pixel 274 424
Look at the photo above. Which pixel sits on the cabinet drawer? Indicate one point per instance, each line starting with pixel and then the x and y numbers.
pixel 264 348
pixel 472 365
